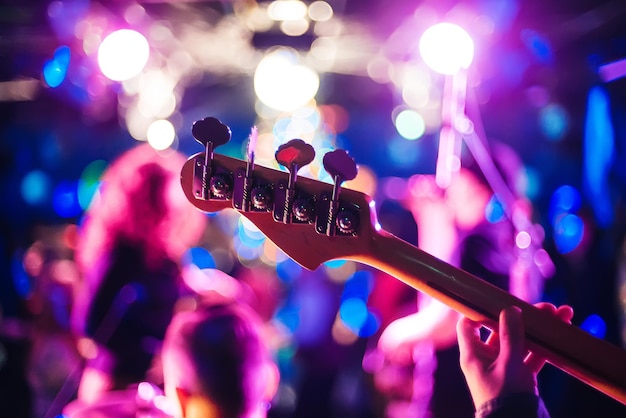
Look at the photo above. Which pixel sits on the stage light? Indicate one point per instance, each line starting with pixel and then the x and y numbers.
pixel 282 84
pixel 123 54
pixel 446 48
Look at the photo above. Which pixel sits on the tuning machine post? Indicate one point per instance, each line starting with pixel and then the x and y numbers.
pixel 209 182
pixel 251 193
pixel 340 219
pixel 291 205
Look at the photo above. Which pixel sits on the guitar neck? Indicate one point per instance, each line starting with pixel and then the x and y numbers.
pixel 311 243
pixel 593 361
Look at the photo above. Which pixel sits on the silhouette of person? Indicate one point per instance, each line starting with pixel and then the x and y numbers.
pixel 129 255
pixel 452 226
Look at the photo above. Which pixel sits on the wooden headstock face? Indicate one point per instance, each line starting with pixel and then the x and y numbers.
pixel 304 236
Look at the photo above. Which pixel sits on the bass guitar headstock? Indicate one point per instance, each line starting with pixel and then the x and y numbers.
pixel 311 221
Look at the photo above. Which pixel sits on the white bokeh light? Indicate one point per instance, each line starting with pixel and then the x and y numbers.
pixel 161 134
pixel 123 54
pixel 446 48
pixel 282 84
pixel 287 10
pixel 410 124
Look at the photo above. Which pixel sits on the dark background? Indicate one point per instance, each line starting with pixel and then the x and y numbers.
pixel 59 132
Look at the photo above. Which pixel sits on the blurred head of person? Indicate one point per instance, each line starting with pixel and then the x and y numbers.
pixel 474 185
pixel 216 363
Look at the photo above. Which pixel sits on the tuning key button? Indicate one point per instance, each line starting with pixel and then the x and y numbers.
pixel 211 130
pixel 211 133
pixel 295 154
pixel 340 165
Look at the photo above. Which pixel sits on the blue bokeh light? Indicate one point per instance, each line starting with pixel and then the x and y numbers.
pixel 599 149
pixel 21 281
pixel 289 316
pixel 371 325
pixel 35 187
pixel 359 285
pixel 537 44
pixel 566 199
pixel 252 239
pixel 201 257
pixel 568 233
pixel 494 211
pixel 553 121
pixel 353 312
pixel 594 325
pixel 288 270
pixel 55 69
pixel 65 199
pixel 334 264
pixel 402 153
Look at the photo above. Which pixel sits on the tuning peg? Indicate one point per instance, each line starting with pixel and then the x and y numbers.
pixel 260 198
pixel 341 167
pixel 211 130
pixel 293 155
pixel 250 193
pixel 211 133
